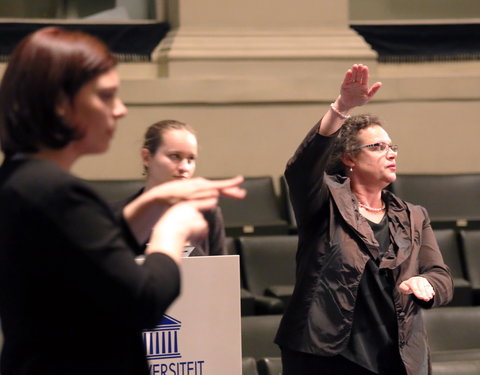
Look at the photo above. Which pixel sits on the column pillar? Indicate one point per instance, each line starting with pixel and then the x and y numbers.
pixel 252 38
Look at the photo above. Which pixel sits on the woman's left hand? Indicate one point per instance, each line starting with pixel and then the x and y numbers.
pixel 419 286
pixel 355 90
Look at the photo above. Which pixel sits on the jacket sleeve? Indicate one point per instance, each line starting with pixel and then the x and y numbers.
pixel 432 266
pixel 305 174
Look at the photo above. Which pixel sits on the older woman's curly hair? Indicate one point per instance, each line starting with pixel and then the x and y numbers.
pixel 347 141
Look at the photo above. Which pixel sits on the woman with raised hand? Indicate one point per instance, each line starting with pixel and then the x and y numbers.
pixel 367 261
pixel 72 298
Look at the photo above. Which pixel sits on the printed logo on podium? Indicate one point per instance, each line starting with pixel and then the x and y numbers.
pixel 162 341
pixel 162 349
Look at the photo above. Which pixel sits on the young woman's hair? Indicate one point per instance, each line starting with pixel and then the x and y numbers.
pixel 47 65
pixel 347 141
pixel 154 135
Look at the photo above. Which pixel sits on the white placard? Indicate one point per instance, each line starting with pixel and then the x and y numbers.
pixel 201 332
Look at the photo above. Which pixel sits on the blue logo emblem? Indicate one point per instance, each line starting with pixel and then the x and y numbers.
pixel 162 341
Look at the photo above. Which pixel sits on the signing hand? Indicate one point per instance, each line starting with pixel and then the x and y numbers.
pixel 143 212
pixel 196 189
pixel 419 286
pixel 354 90
pixel 179 223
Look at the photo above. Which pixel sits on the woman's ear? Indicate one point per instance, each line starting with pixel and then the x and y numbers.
pixel 146 157
pixel 61 105
pixel 348 160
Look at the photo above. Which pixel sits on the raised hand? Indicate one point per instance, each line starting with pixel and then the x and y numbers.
pixel 354 91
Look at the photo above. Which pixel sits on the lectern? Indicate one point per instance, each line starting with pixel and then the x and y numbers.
pixel 200 334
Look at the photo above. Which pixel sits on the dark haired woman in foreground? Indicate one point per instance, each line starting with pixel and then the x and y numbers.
pixel 72 298
pixel 367 261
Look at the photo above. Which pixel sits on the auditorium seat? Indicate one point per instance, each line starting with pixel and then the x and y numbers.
pixel 270 366
pixel 452 200
pixel 249 366
pixel 258 213
pixel 471 251
pixel 449 244
pixel 116 190
pixel 258 333
pixel 453 333
pixel 268 268
pixel 247 302
pixel 465 367
pixel 231 246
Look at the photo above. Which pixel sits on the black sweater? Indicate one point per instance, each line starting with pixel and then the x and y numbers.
pixel 72 298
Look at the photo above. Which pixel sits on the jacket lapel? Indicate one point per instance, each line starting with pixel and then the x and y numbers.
pixel 346 204
pixel 402 232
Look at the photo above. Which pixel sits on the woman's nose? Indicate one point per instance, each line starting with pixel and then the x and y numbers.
pixel 120 109
pixel 185 165
pixel 391 154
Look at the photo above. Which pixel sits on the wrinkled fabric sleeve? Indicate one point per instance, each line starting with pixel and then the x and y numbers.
pixel 305 174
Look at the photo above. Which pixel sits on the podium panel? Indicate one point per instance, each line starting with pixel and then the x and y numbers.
pixel 200 334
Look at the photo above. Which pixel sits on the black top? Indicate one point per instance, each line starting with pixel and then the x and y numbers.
pixel 373 341
pixel 72 298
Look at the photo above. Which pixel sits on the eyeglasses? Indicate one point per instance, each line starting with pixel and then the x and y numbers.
pixel 380 146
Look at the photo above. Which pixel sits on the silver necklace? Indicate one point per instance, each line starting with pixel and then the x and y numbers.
pixel 368 208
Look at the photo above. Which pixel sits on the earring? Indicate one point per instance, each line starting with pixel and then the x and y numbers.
pixel 351 169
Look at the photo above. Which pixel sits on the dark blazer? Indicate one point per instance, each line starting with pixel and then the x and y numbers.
pixel 72 298
pixel 335 243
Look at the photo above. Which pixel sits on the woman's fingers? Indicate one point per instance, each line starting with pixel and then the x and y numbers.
pixel 202 188
pixel 196 189
pixel 234 192
pixel 373 90
pixel 354 90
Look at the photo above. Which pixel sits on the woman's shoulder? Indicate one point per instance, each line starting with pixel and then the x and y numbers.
pixel 41 171
pixel 39 180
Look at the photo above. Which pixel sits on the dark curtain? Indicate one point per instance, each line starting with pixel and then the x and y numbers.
pixel 416 43
pixel 129 42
